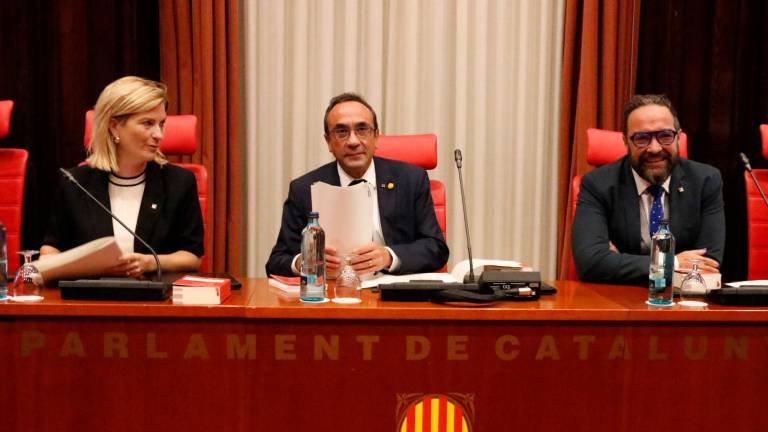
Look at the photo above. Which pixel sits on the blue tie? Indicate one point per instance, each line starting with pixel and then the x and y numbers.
pixel 657 209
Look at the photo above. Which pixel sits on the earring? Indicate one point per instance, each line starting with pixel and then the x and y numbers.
pixel 116 139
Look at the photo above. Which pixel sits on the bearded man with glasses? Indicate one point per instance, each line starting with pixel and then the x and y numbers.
pixel 407 238
pixel 620 204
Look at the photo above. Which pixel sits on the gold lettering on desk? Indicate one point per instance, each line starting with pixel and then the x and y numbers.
pixel 653 349
pixel 152 351
pixel 285 346
pixel 31 340
pixel 584 341
pixel 502 353
pixel 236 350
pixel 457 347
pixel 619 349
pixel 367 341
pixel 324 348
pixel 196 348
pixel 416 347
pixel 695 354
pixel 115 342
pixel 734 349
pixel 547 348
pixel 72 345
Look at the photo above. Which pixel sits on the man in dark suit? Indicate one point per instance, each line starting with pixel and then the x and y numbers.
pixel 613 222
pixel 407 236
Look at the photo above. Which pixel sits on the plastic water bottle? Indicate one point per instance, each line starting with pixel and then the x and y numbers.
pixel 3 264
pixel 662 266
pixel 312 261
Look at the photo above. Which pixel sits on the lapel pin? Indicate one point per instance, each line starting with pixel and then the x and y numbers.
pixel 390 185
pixel 681 189
pixel 154 206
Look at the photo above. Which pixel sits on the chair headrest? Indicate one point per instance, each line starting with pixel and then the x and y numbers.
pixel 419 150
pixel 179 135
pixel 764 135
pixel 6 107
pixel 605 146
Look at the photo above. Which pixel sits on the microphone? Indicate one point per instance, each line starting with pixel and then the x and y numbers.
pixel 470 278
pixel 121 283
pixel 748 167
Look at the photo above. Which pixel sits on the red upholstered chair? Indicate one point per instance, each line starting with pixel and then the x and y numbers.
pixel 419 150
pixel 6 107
pixel 757 218
pixel 179 138
pixel 604 147
pixel 13 169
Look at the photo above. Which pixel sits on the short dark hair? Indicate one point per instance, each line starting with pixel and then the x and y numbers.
pixel 638 101
pixel 348 97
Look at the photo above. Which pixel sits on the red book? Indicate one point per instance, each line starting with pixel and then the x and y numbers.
pixel 201 290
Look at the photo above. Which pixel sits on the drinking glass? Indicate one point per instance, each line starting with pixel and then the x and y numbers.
pixel 693 288
pixel 347 289
pixel 28 285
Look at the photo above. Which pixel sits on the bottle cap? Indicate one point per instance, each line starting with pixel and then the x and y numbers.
pixel 314 214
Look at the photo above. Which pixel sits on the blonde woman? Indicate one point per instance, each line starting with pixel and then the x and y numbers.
pixel 127 172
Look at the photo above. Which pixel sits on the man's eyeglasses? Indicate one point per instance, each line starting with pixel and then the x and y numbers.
pixel 363 131
pixel 664 137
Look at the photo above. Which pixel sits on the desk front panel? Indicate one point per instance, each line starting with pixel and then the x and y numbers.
pixel 134 367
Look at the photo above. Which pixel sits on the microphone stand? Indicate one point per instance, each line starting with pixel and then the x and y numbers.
pixel 748 167
pixel 470 278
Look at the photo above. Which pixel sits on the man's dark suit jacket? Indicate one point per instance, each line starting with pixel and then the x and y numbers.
pixel 407 217
pixel 608 209
pixel 175 223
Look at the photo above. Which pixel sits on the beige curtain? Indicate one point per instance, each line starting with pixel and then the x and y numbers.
pixel 483 75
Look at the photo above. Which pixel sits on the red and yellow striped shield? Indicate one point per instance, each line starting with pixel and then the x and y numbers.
pixel 435 413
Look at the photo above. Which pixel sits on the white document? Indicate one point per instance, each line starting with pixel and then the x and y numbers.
pixel 346 214
pixel 90 259
pixel 761 282
pixel 456 275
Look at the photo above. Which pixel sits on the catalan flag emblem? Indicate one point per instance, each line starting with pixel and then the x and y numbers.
pixel 434 413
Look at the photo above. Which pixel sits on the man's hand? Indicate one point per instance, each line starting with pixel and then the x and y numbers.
pixel 370 258
pixel 332 262
pixel 705 263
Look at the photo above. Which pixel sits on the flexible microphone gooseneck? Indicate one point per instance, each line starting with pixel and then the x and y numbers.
pixel 748 167
pixel 471 277
pixel 71 178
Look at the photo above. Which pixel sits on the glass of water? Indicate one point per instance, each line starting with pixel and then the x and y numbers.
pixel 693 289
pixel 347 288
pixel 28 285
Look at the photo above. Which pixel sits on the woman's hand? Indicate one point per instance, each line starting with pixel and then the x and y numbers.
pixel 134 265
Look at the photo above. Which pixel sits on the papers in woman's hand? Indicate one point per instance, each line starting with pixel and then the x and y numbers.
pixel 90 259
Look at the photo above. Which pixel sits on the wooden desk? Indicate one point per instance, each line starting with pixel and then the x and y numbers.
pixel 593 357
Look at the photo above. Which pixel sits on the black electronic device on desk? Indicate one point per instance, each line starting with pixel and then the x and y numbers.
pixel 744 295
pixel 492 287
pixel 114 289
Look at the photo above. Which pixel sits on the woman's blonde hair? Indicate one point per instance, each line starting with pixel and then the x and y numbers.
pixel 120 99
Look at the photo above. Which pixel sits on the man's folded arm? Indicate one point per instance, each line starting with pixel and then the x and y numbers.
pixel 595 262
